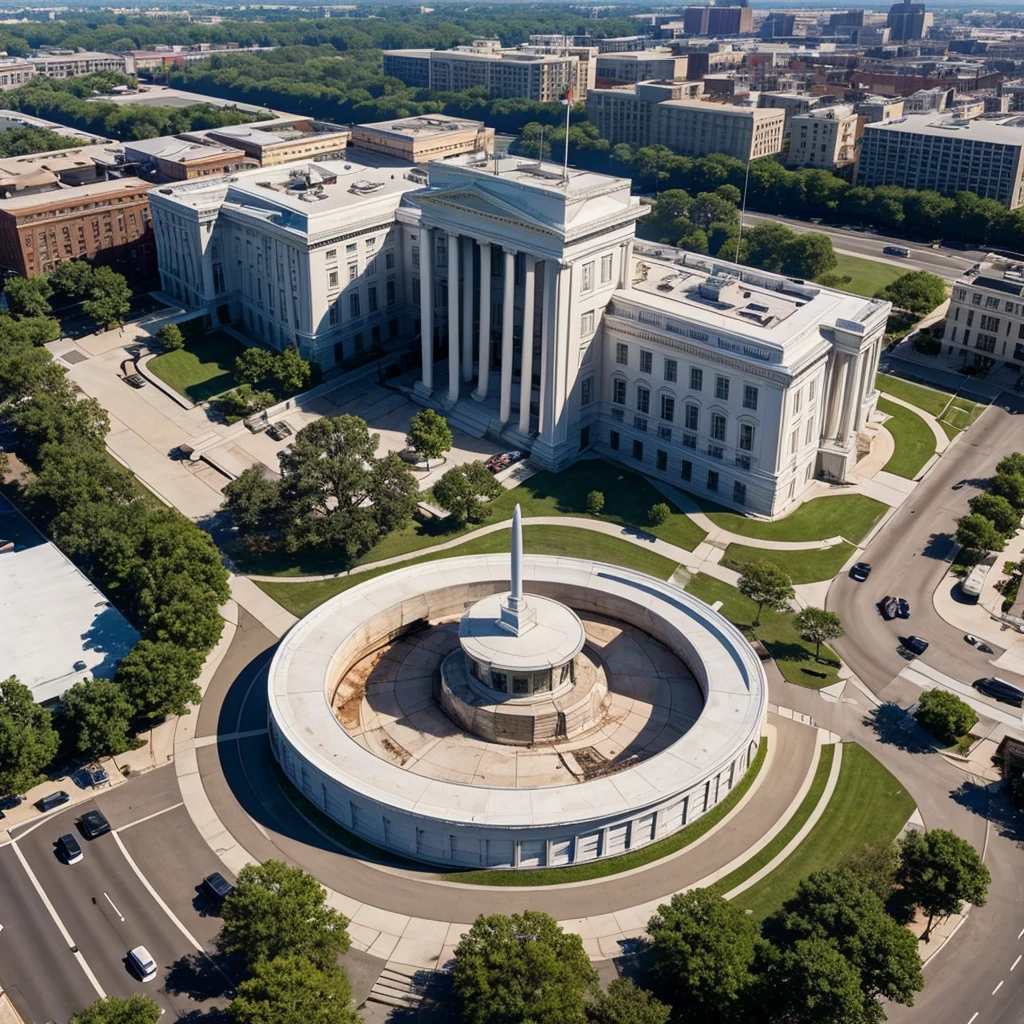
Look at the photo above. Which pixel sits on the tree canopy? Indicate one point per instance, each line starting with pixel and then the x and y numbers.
pixel 944 715
pixel 819 627
pixel 977 533
pixel 136 1009
pixel 466 491
pixel 291 990
pixel 627 1003
pixel 28 741
pixel 916 291
pixel 98 714
pixel 765 583
pixel 429 434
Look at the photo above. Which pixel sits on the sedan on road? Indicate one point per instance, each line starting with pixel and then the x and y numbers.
pixel 93 824
pixel 279 431
pixel 888 607
pixel 914 644
pixel 860 572
pixel 903 608
pixel 142 964
pixel 992 686
pixel 69 850
pixel 135 380
pixel 496 463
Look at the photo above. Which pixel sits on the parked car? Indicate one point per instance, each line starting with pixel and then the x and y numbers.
pixel 411 456
pixel 903 608
pixel 69 849
pixel 1003 691
pixel 141 963
pixel 896 250
pixel 915 644
pixel 135 380
pixel 279 431
pixel 496 463
pixel 93 824
pixel 217 887
pixel 51 800
pixel 888 607
pixel 861 571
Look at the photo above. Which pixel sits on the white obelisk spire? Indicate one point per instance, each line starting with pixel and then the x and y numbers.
pixel 516 615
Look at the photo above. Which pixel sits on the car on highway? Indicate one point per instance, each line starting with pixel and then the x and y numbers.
pixel 279 431
pixel 69 849
pixel 142 964
pixel 861 571
pixel 888 608
pixel 915 644
pixel 135 380
pixel 903 608
pixel 217 887
pixel 496 463
pixel 896 250
pixel 93 824
pixel 51 800
pixel 993 686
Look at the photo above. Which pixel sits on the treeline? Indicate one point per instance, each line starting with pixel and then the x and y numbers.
pixel 158 568
pixel 66 101
pixel 22 141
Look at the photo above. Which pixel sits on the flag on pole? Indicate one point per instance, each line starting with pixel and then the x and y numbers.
pixel 567 96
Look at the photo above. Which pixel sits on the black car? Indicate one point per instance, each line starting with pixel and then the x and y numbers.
pixel 991 686
pixel 903 608
pixel 861 571
pixel 889 607
pixel 915 644
pixel 135 380
pixel 217 887
pixel 279 431
pixel 51 800
pixel 93 824
pixel 69 849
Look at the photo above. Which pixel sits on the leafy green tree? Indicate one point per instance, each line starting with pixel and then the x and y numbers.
pixel 292 372
pixel 766 246
pixel 28 296
pixel 394 493
pixel 253 501
pixel 429 434
pixel 595 502
pixel 976 533
pixel 875 867
pixel 242 402
pixel 170 338
pixel 99 714
pixel 28 741
pixel 136 1009
pixel 809 256
pixel 658 513
pixel 254 366
pixel 626 1003
pixel 998 511
pixel 944 715
pixel 1009 486
pixel 703 952
pixel 72 279
pixel 1012 464
pixel 522 968
pixel 916 291
pixel 465 492
pixel 159 678
pixel 765 583
pixel 290 990
pixel 710 208
pixel 819 627
pixel 834 906
pixel 939 871
pixel 109 299
pixel 276 911
pixel 24 141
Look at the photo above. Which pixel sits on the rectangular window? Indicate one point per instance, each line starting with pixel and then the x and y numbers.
pixel 587 323
pixel 353 272
pixel 371 298
pixel 588 277
pixel 646 361
pixel 811 389
pixel 619 392
pixel 587 391
pixel 353 304
pixel 712 479
pixel 389 291
pixel 332 254
pixel 351 247
pixel 664 433
pixel 692 418
pixel 696 379
pixel 371 268
pixel 686 470
pixel 668 407
pixel 792 443
pixel 689 440
pixel 809 433
pixel 622 354
pixel 640 423
pixel 661 460
pixel 643 400
pixel 722 388
pixel 638 451
pixel 332 314
pixel 415 257
pixel 739 493
pixel 749 396
pixel 718 427
pixel 746 437
pixel 671 371
pixel 613 440
pixel 389 260
pixel 606 269
pixel 332 279
pixel 796 402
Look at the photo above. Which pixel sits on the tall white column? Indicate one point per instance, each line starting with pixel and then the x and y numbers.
pixel 427 309
pixel 484 355
pixel 507 350
pixel 454 341
pixel 526 363
pixel 466 262
pixel 546 332
pixel 850 399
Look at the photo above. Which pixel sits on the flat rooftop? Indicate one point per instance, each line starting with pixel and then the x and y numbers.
pixel 261 136
pixel 424 126
pixel 1006 129
pixel 62 159
pixel 58 628
pixel 76 193
pixel 545 176
pixel 170 147
pixel 999 274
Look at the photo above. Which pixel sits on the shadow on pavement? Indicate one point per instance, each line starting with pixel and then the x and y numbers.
pixel 992 802
pixel 893 726
pixel 939 547
pixel 200 977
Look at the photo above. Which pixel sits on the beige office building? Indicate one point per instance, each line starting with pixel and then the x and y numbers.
pixel 640 66
pixel 625 115
pixel 825 138
pixel 696 128
pixel 424 138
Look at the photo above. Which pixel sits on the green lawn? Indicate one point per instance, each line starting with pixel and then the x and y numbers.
pixel 802 566
pixel 929 399
pixel 627 496
pixel 201 370
pixel 768 853
pixel 866 276
pixel 776 630
pixel 959 415
pixel 869 806
pixel 847 515
pixel 915 442
pixel 301 598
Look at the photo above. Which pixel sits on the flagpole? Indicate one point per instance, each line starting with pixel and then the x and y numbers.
pixel 568 110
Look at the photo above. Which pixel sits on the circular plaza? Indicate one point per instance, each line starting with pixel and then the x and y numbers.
pixel 537 711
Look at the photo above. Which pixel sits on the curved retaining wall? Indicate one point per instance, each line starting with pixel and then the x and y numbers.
pixel 474 826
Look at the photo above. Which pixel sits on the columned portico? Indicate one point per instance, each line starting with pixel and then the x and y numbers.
pixel 507 347
pixel 427 309
pixel 526 364
pixel 466 260
pixel 484 351
pixel 454 340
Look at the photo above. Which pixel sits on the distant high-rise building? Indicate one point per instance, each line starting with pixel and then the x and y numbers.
pixel 908 21
pixel 718 21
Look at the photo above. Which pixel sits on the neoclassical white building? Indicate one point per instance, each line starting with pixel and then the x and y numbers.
pixel 539 318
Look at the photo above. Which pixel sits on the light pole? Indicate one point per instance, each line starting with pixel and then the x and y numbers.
pixel 743 209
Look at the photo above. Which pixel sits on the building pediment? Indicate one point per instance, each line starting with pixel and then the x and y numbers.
pixel 472 202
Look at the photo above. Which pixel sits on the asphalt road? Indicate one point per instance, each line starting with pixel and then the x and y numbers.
pixel 947 263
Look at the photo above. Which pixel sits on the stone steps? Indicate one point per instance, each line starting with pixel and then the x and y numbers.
pixel 399 986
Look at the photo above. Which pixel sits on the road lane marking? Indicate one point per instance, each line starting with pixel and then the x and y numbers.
pixel 116 911
pixel 1015 962
pixel 974 1018
pixel 1020 933
pixel 997 988
pixel 156 896
pixel 148 817
pixel 58 922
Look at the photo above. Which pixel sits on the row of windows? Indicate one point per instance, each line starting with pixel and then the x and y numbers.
pixel 670 373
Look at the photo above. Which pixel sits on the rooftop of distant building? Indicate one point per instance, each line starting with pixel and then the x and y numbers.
pixel 1006 129
pixel 422 126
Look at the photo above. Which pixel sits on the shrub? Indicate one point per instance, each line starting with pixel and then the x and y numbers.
pixel 658 514
pixel 944 715
pixel 595 502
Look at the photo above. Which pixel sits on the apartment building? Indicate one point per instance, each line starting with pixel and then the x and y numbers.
pixel 15 71
pixel 718 21
pixel 72 65
pixel 984 156
pixel 793 103
pixel 170 158
pixel 426 137
pixel 878 108
pixel 908 21
pixel 625 115
pixel 106 222
pixel 825 137
pixel 985 320
pixel 281 141
pixel 641 66
pixel 696 128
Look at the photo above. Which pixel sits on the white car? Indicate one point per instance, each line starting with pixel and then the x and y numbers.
pixel 142 963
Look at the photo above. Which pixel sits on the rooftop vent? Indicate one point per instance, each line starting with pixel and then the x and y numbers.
pixel 723 288
pixel 365 187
